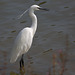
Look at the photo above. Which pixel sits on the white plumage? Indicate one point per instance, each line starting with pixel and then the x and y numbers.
pixel 24 39
pixel 22 43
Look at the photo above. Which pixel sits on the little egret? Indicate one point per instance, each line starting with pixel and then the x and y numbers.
pixel 24 39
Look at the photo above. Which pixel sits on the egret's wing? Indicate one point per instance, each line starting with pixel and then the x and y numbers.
pixel 22 44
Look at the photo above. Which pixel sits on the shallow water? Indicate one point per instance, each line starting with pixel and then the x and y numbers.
pixel 53 27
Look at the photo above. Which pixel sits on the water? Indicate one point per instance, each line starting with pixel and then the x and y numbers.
pixel 53 27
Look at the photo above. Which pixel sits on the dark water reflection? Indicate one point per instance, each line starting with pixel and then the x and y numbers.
pixel 53 26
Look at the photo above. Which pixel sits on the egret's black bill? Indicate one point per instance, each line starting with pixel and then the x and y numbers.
pixel 44 9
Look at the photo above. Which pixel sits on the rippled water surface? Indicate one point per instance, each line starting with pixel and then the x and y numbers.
pixel 55 27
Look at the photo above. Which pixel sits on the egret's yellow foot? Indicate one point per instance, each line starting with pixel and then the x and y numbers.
pixel 22 70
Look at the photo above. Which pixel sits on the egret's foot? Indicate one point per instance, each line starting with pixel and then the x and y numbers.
pixel 22 70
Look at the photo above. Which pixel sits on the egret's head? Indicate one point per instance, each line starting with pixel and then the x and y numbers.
pixel 33 8
pixel 36 7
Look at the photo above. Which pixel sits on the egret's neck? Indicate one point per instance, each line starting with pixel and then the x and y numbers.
pixel 34 20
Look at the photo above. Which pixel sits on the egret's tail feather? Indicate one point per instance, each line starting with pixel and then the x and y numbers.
pixel 13 59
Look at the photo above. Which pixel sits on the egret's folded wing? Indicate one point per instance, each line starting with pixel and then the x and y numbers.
pixel 21 44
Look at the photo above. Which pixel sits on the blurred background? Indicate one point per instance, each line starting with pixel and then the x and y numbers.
pixel 55 33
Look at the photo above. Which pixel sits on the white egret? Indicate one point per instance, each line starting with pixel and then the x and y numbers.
pixel 24 39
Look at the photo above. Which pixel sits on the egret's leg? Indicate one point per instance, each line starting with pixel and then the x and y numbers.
pixel 22 69
pixel 22 62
